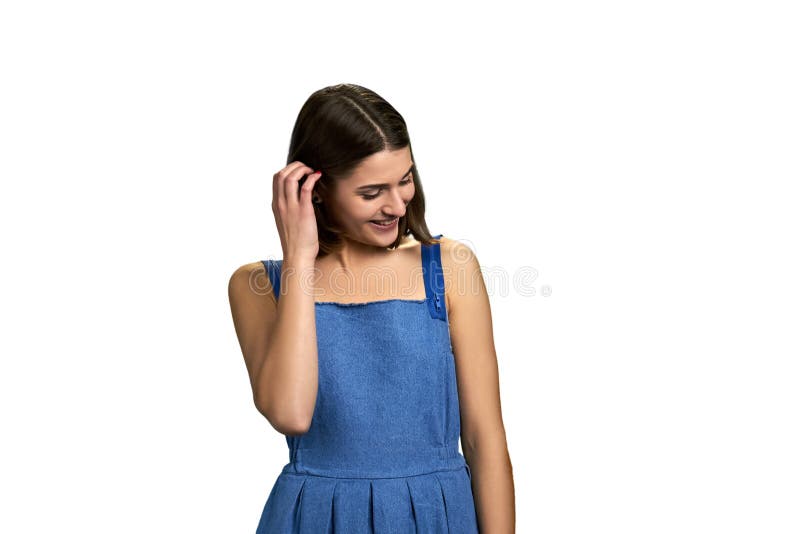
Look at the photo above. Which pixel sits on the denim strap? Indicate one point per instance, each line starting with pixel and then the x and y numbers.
pixel 434 279
pixel 273 268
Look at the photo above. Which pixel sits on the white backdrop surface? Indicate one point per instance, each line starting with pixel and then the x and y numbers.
pixel 640 158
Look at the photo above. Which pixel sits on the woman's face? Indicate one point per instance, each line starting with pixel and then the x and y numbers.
pixel 378 190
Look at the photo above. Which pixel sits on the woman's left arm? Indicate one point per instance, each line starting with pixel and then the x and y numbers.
pixel 483 436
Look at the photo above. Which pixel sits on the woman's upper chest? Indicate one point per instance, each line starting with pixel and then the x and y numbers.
pixel 397 276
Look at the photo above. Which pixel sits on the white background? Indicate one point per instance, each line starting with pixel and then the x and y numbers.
pixel 640 156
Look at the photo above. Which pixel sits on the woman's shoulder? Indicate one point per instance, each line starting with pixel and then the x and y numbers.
pixel 248 269
pixel 250 278
pixel 454 248
pixel 459 266
pixel 451 248
pixel 458 259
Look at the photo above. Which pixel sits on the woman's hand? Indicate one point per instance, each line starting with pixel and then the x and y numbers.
pixel 294 216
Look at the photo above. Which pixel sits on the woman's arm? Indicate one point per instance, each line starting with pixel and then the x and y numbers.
pixel 278 341
pixel 483 437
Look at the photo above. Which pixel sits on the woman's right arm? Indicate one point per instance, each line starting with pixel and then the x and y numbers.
pixel 278 341
pixel 279 338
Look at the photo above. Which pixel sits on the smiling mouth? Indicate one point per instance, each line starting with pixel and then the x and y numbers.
pixel 387 223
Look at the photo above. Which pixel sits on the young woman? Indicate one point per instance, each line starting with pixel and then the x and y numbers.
pixel 372 385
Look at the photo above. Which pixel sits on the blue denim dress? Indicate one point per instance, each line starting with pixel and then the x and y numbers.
pixel 381 454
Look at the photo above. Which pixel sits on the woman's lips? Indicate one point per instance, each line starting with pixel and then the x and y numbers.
pixel 384 228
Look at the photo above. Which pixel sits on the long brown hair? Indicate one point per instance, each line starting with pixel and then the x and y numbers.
pixel 338 127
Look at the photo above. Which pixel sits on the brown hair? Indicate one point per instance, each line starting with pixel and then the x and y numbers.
pixel 338 127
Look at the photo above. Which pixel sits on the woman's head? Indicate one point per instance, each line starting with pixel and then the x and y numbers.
pixel 357 139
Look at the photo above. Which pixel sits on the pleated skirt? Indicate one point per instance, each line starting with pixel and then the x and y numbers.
pixel 438 502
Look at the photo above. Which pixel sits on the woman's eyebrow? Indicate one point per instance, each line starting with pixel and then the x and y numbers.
pixel 372 186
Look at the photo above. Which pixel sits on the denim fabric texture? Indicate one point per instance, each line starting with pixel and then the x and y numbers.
pixel 381 454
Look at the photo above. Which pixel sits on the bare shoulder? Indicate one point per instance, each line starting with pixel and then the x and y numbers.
pixel 456 255
pixel 460 266
pixel 249 282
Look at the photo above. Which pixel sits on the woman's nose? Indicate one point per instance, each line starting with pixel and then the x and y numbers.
pixel 397 206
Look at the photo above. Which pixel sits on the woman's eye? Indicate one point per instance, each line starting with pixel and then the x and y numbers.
pixel 370 197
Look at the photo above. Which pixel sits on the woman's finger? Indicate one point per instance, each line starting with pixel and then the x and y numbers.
pixel 306 190
pixel 291 184
pixel 276 178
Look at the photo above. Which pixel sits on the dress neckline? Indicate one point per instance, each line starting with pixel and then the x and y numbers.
pixel 433 279
pixel 381 301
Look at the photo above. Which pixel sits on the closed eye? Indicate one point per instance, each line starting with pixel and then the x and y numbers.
pixel 376 195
